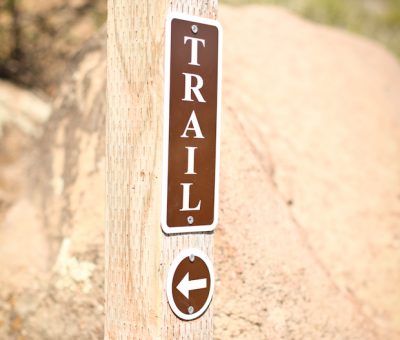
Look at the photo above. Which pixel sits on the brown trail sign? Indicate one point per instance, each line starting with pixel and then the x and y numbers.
pixel 191 124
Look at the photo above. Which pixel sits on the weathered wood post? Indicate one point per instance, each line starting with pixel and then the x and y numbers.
pixel 138 253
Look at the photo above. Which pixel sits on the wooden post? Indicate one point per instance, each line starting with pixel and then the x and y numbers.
pixel 137 252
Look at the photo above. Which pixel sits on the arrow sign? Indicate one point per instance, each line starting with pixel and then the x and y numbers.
pixel 186 285
pixel 188 298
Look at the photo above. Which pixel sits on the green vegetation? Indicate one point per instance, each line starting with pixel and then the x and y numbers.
pixel 377 19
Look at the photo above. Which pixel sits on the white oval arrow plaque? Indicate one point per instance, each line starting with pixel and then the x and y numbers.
pixel 190 284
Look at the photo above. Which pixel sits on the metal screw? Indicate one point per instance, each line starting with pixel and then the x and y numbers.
pixel 190 309
pixel 195 29
pixel 190 219
pixel 191 258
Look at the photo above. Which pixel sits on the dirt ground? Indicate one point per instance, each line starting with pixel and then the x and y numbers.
pixel 308 245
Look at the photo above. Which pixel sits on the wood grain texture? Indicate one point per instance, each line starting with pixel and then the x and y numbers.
pixel 137 253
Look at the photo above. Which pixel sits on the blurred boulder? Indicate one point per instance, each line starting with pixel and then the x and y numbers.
pixel 23 244
pixel 22 115
pixel 22 108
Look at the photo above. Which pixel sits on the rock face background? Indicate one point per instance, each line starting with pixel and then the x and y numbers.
pixel 308 245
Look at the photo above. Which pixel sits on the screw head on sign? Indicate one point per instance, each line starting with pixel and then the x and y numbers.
pixel 191 258
pixel 190 309
pixel 190 219
pixel 195 29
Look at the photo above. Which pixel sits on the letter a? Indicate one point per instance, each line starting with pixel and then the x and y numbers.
pixel 195 127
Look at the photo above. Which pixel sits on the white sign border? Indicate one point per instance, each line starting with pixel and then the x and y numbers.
pixel 167 57
pixel 178 259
